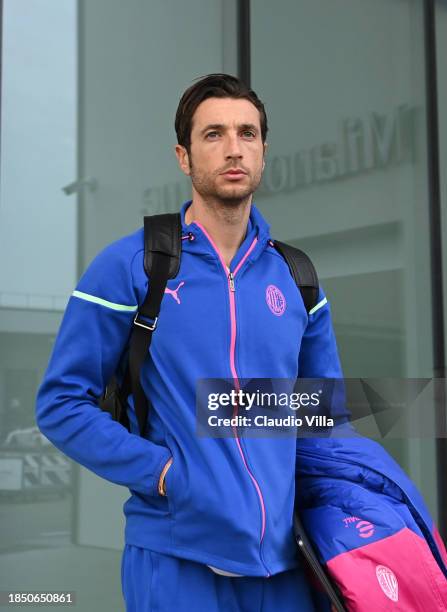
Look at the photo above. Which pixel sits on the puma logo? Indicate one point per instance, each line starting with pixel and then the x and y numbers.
pixel 173 292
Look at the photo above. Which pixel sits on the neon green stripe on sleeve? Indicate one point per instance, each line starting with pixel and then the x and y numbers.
pixel 318 306
pixel 97 300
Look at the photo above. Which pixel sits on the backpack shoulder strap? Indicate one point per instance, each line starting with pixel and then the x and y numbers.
pixel 162 237
pixel 302 270
pixel 162 252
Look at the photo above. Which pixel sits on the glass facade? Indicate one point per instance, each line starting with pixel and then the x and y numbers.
pixel 88 98
pixel 346 178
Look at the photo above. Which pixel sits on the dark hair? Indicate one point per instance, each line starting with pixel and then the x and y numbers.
pixel 216 85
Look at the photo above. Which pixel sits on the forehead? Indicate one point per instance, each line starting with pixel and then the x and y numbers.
pixel 228 111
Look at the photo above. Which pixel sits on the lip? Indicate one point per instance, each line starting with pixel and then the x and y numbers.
pixel 234 173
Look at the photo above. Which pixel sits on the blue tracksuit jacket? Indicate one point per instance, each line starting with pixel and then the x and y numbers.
pixel 230 500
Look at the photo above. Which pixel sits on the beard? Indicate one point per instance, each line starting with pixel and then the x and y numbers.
pixel 212 187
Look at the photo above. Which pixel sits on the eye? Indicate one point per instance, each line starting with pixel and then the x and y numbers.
pixel 250 133
pixel 210 133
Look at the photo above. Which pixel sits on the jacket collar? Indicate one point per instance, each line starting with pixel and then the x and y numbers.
pixel 257 227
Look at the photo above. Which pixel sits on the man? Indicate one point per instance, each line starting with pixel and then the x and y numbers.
pixel 209 520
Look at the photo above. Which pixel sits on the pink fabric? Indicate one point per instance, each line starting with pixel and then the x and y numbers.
pixel 233 332
pixel 396 573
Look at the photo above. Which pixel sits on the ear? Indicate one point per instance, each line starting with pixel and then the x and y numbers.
pixel 265 149
pixel 183 159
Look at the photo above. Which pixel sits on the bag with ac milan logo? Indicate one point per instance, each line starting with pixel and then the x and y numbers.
pixel 369 527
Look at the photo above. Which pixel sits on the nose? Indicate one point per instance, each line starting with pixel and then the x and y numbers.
pixel 233 147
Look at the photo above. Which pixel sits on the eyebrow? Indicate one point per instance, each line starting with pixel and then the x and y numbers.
pixel 221 126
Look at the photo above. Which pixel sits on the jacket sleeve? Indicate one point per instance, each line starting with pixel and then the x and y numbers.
pixel 95 329
pixel 318 357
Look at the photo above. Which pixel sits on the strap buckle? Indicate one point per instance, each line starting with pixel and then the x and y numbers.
pixel 147 326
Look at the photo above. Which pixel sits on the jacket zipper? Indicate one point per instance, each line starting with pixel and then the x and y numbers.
pixel 416 515
pixel 231 281
pixel 231 291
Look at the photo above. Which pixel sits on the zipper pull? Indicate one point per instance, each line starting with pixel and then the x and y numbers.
pixel 231 281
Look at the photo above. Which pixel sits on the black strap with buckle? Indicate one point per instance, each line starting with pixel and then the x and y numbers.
pixel 162 249
pixel 162 236
pixel 144 325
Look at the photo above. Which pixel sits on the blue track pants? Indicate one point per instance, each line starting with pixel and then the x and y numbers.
pixel 155 582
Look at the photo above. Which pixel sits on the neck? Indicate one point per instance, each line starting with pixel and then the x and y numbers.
pixel 226 223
